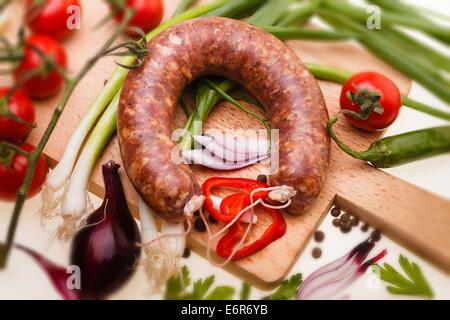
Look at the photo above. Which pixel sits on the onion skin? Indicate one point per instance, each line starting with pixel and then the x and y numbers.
pixel 106 249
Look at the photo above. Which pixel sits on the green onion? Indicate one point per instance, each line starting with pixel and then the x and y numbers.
pixel 235 8
pixel 406 9
pixel 268 14
pixel 418 48
pixel 182 7
pixel 291 33
pixel 298 13
pixel 74 201
pixel 395 56
pixel 343 7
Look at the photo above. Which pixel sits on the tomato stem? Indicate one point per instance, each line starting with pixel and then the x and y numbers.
pixel 33 157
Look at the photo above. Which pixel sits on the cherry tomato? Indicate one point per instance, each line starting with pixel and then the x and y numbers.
pixel 51 18
pixel 148 14
pixel 41 85
pixel 389 99
pixel 21 106
pixel 11 178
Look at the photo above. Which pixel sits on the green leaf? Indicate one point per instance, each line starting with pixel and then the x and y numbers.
pixel 288 289
pixel 221 293
pixel 415 285
pixel 245 291
pixel 177 288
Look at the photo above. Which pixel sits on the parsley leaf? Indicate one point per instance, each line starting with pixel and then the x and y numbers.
pixel 177 288
pixel 288 289
pixel 414 285
pixel 245 291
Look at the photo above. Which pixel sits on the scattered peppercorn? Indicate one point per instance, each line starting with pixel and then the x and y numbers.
pixel 336 212
pixel 200 225
pixel 346 228
pixel 346 217
pixel 186 253
pixel 262 178
pixel 319 236
pixel 337 222
pixel 365 227
pixel 354 222
pixel 376 235
pixel 316 253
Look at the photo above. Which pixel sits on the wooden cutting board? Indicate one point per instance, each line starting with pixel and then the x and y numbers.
pixel 394 206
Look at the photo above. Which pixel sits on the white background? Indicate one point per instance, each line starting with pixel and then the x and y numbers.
pixel 23 279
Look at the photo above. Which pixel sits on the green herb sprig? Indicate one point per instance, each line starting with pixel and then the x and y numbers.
pixel 415 284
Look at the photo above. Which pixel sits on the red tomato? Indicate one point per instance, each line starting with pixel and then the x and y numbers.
pixel 148 14
pixel 42 85
pixel 51 18
pixel 20 105
pixel 11 178
pixel 390 100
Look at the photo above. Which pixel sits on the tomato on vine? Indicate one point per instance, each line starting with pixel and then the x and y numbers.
pixel 19 106
pixel 374 97
pixel 38 78
pixel 148 13
pixel 51 17
pixel 12 174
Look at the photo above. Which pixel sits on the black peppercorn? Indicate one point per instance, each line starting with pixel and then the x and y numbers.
pixel 262 178
pixel 336 212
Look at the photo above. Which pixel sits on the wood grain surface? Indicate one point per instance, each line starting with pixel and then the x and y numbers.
pixel 394 206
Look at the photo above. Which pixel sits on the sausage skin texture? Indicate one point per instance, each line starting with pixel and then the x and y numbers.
pixel 264 65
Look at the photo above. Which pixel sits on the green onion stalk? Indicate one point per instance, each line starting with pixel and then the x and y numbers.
pixel 298 13
pixel 416 12
pixel 392 54
pixel 437 31
pixel 33 157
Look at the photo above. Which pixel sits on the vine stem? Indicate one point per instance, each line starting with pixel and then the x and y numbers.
pixel 33 156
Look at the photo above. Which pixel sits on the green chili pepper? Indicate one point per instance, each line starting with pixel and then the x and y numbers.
pixel 399 149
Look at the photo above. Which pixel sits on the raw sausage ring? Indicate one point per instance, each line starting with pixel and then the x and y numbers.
pixel 248 55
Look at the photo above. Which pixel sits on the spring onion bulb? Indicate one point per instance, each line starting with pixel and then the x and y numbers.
pixel 75 199
pixel 162 250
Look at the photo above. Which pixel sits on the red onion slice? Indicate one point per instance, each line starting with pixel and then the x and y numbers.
pixel 337 271
pixel 204 158
pixel 333 287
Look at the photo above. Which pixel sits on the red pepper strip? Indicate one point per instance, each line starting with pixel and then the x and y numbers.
pixel 236 202
pixel 232 183
pixel 228 242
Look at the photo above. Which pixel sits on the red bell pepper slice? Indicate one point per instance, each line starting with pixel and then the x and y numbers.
pixel 241 184
pixel 234 204
pixel 228 242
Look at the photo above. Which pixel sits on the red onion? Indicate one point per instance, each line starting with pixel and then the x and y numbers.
pixel 338 274
pixel 234 149
pixel 204 158
pixel 106 250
